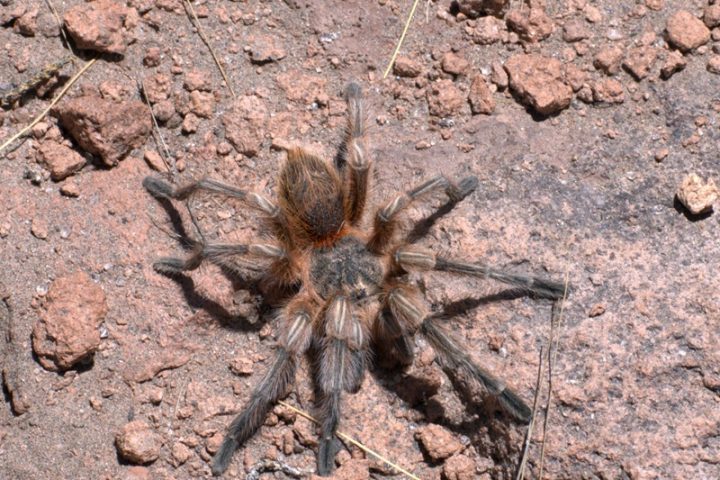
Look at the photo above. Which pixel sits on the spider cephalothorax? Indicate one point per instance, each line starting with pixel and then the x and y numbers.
pixel 349 283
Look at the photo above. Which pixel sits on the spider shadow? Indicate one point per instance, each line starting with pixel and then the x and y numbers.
pixel 484 422
pixel 197 300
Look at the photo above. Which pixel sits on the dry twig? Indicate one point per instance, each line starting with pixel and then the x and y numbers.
pixel 402 38
pixel 52 104
pixel 205 40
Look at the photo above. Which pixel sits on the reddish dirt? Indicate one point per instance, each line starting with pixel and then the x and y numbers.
pixel 631 90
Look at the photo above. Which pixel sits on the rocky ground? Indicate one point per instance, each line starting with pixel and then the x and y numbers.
pixel 593 127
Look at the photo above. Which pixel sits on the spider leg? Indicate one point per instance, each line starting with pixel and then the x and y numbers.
pixel 342 367
pixel 413 258
pixel 218 253
pixel 163 190
pixel 397 322
pixel 294 341
pixel 407 306
pixel 386 219
pixel 355 154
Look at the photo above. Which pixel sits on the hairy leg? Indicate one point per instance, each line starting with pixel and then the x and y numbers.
pixel 407 305
pixel 294 341
pixel 386 219
pixel 356 156
pixel 411 258
pixel 342 366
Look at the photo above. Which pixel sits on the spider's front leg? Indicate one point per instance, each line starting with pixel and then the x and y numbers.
pixel 342 366
pixel 293 342
pixel 386 219
pixel 354 153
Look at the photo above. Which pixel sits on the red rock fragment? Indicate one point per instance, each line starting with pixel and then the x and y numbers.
pixel 480 96
pixel 686 32
pixel 713 65
pixel 444 98
pixel 454 64
pixel 539 82
pixel 265 49
pixel 301 87
pixel 697 195
pixel 533 24
pixel 711 15
pixel 476 8
pixel 574 31
pixel 438 442
pixel 674 63
pixel 407 67
pixel 145 367
pixel 639 61
pixel 68 329
pixel 60 160
pixel 608 59
pixel 138 443
pixel 459 467
pixel 486 30
pixel 608 90
pixel 27 23
pixel 245 124
pixel 106 128
pixel 103 26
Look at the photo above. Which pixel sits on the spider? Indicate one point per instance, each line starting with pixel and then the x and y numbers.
pixel 351 292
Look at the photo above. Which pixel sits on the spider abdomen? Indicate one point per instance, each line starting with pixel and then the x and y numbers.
pixel 345 268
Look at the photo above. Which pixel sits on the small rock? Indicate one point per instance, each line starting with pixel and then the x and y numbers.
pixel 407 67
pixel 154 161
pixel 68 329
pixel 592 14
pixel 138 443
pixel 197 80
pixel 476 8
pixel 245 124
pixel 655 5
pixel 480 96
pixel 157 87
pixel 444 98
pixel 242 365
pixel 202 104
pixel 454 64
pixel 574 31
pixel 180 454
pixel 596 310
pixel 686 32
pixel 265 49
pixel 145 367
pixel 39 228
pixel 137 473
pixel 163 111
pixel 70 189
pixel 423 145
pixel 608 90
pixel 639 61
pixel 106 128
pixel 713 65
pixel 60 160
pixel 190 123
pixel 531 24
pixel 711 15
pixel 538 81
pixel 26 24
pixel 661 154
pixel 697 195
pixel 498 75
pixel 438 442
pixel 575 76
pixel 103 26
pixel 459 467
pixel 486 30
pixel 153 57
pixel 674 63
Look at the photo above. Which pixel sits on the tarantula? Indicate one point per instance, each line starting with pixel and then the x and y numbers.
pixel 350 290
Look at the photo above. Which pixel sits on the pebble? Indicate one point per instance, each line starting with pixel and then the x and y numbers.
pixel 438 442
pixel 686 31
pixel 480 96
pixel 138 443
pixel 539 82
pixel 696 194
pixel 60 160
pixel 459 467
pixel 444 98
pixel 102 26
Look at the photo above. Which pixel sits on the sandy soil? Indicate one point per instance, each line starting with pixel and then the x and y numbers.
pixel 579 164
